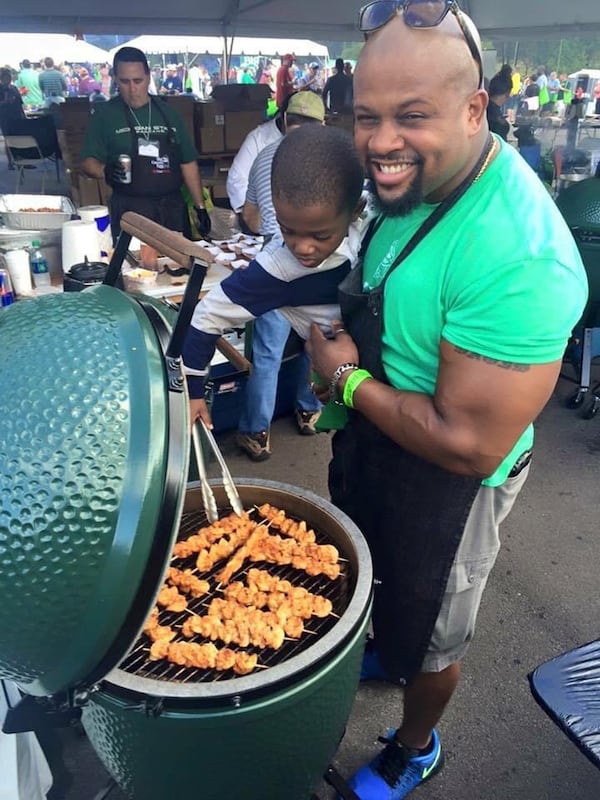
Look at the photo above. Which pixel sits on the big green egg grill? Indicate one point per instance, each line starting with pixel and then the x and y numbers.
pixel 94 491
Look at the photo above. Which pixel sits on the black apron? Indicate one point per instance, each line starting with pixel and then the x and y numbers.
pixel 412 512
pixel 155 188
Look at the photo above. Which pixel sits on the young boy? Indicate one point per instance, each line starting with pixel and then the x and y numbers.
pixel 317 182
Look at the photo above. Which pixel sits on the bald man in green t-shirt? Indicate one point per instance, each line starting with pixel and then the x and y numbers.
pixel 453 333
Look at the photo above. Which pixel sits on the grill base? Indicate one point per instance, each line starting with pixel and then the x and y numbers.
pixel 265 749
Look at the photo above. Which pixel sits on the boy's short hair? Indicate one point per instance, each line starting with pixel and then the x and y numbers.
pixel 317 165
pixel 130 55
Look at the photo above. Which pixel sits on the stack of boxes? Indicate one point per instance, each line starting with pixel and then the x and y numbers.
pixel 222 124
pixel 209 127
pixel 71 124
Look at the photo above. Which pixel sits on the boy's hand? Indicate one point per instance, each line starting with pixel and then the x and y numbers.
pixel 199 410
pixel 328 354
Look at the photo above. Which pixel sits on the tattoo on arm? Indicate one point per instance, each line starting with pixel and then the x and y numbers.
pixel 495 361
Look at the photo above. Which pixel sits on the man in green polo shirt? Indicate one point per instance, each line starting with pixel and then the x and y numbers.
pixel 153 135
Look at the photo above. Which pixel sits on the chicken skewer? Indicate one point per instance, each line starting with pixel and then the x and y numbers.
pixel 187 582
pixel 295 530
pixel 234 631
pixel 314 559
pixel 283 616
pixel 282 594
pixel 203 656
pixel 209 534
pixel 155 631
pixel 171 599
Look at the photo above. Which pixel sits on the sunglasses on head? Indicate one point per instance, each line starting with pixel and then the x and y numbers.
pixel 418 14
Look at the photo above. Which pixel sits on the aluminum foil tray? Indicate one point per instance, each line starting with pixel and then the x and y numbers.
pixel 13 215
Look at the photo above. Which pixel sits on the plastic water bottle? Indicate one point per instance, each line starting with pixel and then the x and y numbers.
pixel 39 267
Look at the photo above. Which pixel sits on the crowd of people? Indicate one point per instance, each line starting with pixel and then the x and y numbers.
pixel 336 90
pixel 39 85
pixel 45 82
pixel 538 93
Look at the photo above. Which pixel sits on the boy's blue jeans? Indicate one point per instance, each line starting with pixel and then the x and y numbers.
pixel 268 342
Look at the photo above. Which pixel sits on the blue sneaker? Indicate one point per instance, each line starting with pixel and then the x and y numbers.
pixel 396 771
pixel 371 669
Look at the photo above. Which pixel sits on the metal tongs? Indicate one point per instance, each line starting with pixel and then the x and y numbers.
pixel 208 498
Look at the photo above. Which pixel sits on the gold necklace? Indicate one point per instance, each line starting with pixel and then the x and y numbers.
pixel 487 160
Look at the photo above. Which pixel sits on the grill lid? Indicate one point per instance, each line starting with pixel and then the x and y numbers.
pixel 93 459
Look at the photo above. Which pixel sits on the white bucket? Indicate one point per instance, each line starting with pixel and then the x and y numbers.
pixel 100 216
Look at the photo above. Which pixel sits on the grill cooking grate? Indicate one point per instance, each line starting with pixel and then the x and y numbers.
pixel 337 591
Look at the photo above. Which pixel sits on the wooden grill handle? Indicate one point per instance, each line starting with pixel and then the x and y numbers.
pixel 234 357
pixel 173 245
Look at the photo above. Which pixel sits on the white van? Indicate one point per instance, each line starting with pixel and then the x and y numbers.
pixel 586 79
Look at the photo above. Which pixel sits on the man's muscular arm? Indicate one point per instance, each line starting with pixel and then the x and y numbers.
pixel 479 409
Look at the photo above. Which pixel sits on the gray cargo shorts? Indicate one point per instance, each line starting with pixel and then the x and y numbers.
pixel 472 565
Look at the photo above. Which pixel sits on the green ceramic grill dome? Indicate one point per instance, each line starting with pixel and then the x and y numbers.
pixel 85 423
pixel 580 204
pixel 93 473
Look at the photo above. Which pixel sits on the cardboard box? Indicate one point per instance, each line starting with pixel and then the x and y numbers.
pixel 209 114
pixel 238 125
pixel 219 191
pixel 242 96
pixel 89 191
pixel 210 140
pixel 184 106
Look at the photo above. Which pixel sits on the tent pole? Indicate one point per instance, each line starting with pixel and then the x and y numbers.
pixel 560 47
pixel 225 60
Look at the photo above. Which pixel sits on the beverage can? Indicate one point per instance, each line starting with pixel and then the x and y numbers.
pixel 125 163
pixel 7 297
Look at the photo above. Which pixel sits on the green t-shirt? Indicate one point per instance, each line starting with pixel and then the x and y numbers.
pixel 109 134
pixel 499 275
pixel 29 79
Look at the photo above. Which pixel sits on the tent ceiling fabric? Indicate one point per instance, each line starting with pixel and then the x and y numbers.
pixel 312 19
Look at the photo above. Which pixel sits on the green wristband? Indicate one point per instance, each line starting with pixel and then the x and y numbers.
pixel 353 381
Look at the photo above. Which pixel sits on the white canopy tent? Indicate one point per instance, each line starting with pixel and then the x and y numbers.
pixel 59 46
pixel 214 46
pixel 314 19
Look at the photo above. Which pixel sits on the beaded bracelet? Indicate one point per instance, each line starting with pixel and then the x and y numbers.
pixel 352 383
pixel 333 383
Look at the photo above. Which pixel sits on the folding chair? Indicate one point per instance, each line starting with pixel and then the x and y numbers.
pixel 25 152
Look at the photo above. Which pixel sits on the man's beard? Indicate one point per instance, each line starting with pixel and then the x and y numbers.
pixel 402 206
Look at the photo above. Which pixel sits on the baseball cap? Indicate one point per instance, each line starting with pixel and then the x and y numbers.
pixel 313 65
pixel 307 104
